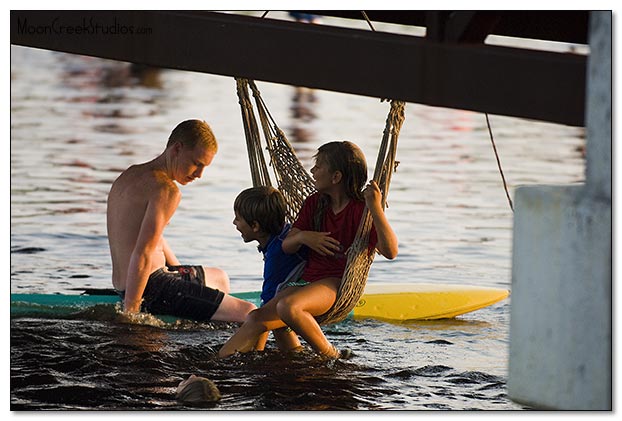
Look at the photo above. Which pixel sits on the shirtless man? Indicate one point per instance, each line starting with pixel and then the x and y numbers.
pixel 141 202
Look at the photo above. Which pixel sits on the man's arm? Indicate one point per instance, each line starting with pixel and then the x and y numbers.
pixel 160 209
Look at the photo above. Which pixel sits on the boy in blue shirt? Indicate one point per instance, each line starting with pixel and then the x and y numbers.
pixel 260 216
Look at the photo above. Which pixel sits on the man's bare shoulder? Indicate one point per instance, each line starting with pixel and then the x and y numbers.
pixel 141 180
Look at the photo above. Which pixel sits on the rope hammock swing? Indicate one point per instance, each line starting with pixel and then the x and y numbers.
pixel 296 185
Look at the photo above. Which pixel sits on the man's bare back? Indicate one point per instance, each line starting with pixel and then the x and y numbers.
pixel 127 205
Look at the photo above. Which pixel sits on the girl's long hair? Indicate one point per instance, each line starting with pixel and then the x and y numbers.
pixel 347 158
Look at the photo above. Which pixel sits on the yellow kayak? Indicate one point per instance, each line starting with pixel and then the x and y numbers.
pixel 424 301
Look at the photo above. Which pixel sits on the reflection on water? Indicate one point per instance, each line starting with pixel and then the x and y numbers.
pixel 304 101
pixel 77 122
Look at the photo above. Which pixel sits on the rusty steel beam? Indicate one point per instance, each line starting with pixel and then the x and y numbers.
pixel 507 81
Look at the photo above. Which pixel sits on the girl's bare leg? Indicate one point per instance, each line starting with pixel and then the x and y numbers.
pixel 286 339
pixel 257 323
pixel 261 342
pixel 298 311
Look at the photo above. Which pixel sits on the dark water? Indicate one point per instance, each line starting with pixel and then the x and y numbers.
pixel 93 360
pixel 77 122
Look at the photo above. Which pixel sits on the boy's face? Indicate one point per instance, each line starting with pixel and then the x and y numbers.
pixel 248 233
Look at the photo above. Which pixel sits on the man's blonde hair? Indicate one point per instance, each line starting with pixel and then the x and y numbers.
pixel 191 133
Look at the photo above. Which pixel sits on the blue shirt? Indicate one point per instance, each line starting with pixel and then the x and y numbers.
pixel 277 264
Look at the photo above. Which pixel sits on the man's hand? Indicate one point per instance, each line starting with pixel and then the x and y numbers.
pixel 131 306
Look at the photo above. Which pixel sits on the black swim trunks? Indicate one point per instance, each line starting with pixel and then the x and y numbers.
pixel 180 291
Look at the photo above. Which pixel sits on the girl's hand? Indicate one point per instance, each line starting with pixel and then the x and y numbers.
pixel 372 195
pixel 322 243
pixel 387 240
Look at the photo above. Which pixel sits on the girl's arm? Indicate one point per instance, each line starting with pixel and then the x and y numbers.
pixel 321 242
pixel 387 240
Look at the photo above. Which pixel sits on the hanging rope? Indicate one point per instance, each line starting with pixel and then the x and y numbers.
pixel 290 175
pixel 494 148
pixel 259 170
pixel 367 19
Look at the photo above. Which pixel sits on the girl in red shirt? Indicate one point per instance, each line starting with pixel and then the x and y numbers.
pixel 327 225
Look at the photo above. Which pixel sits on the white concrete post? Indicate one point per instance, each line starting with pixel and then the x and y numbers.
pixel 560 328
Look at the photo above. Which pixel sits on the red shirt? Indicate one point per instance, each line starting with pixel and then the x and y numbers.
pixel 342 226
